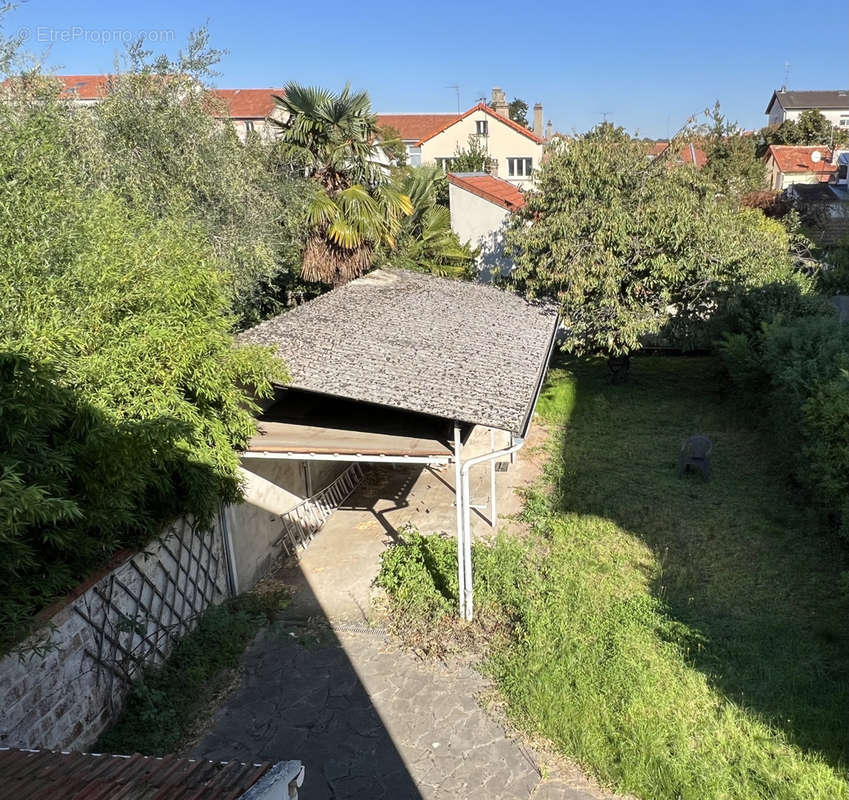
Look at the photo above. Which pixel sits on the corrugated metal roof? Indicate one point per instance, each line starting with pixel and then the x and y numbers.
pixel 43 774
pixel 449 348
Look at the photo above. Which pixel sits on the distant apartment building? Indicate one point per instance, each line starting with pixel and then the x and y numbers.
pixel 515 151
pixel 789 105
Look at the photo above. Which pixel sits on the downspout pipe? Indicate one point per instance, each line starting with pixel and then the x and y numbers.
pixel 464 531
pixel 467 601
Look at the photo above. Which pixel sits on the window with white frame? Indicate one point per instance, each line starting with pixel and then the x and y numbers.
pixel 844 120
pixel 414 156
pixel 444 163
pixel 482 127
pixel 520 167
pixel 249 125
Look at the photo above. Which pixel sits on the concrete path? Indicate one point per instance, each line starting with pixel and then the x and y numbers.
pixel 369 720
pixel 333 578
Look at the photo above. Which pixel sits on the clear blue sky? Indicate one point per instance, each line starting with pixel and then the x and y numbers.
pixel 650 65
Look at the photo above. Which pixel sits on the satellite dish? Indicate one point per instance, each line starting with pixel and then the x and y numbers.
pixel 816 156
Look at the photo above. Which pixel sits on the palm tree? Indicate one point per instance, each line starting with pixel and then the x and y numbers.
pixel 426 242
pixel 331 138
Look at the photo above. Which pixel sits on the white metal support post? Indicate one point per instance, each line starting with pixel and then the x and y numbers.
pixel 493 514
pixel 467 608
pixel 461 502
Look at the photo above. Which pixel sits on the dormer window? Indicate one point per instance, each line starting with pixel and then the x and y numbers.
pixel 482 127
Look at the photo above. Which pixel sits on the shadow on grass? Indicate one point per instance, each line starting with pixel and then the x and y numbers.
pixel 742 562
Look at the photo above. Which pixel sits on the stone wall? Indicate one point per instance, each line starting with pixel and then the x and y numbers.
pixel 62 687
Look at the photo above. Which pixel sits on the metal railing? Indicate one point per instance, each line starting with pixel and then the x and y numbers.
pixel 303 521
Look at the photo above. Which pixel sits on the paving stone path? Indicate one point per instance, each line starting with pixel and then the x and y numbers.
pixel 369 719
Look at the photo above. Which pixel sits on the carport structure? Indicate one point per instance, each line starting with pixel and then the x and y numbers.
pixel 399 367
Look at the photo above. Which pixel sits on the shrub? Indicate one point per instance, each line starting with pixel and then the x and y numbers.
pixel 790 354
pixel 119 406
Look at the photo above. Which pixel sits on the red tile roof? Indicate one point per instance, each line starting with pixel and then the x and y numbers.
pixel 685 154
pixel 495 190
pixel 484 107
pixel 248 103
pixel 240 103
pixel 416 126
pixel 37 774
pixel 795 160
pixel 85 87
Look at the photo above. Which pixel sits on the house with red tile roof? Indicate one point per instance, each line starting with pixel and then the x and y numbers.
pixel 481 206
pixel 248 110
pixel 789 164
pixel 515 151
pixel 688 154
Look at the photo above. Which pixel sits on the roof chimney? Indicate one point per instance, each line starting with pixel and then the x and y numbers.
pixel 499 102
pixel 538 119
pixel 549 129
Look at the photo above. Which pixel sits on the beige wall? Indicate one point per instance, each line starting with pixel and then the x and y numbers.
pixel 272 487
pixel 266 130
pixel 481 224
pixel 503 142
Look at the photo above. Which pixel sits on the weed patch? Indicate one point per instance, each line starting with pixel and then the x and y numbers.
pixel 163 708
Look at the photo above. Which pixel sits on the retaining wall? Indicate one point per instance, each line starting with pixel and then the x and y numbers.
pixel 62 687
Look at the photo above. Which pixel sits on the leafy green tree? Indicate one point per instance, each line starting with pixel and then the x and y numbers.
pixel 154 139
pixel 331 137
pixel 810 129
pixel 627 247
pixel 426 242
pixel 472 158
pixel 120 406
pixel 518 111
pixel 814 128
pixel 732 159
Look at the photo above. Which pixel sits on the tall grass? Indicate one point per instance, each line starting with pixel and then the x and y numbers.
pixel 684 640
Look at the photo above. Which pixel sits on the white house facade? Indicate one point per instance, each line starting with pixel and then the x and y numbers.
pixel 481 206
pixel 515 151
pixel 789 105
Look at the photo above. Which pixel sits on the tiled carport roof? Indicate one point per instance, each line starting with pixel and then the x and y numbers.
pixel 42 774
pixel 453 349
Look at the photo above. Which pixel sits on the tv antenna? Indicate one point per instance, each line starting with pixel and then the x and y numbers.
pixel 456 88
pixel 786 75
pixel 602 114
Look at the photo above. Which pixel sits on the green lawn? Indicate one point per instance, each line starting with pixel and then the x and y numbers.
pixel 684 640
pixel 749 585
